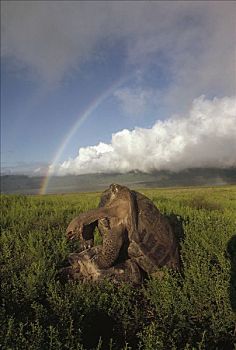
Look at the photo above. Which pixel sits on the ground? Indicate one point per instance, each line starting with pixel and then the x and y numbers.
pixel 189 311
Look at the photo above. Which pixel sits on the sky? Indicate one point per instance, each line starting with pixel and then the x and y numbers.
pixel 117 86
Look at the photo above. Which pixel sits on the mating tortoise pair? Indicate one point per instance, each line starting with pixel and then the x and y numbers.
pixel 137 240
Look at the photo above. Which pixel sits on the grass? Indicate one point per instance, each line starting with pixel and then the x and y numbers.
pixel 195 310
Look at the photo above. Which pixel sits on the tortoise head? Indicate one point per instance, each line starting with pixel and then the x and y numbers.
pixel 84 233
pixel 74 229
pixel 109 194
pixel 115 188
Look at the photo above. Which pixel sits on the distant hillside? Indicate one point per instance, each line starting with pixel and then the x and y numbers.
pixel 97 182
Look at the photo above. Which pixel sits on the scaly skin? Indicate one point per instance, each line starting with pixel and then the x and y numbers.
pixel 153 244
pixel 121 215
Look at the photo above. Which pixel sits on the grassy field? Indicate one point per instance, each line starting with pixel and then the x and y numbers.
pixel 195 310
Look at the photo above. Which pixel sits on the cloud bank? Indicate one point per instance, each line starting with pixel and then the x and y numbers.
pixel 205 137
pixel 192 40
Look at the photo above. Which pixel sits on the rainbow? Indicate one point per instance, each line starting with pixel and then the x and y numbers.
pixel 80 120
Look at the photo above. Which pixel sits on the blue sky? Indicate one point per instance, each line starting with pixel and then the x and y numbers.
pixel 149 61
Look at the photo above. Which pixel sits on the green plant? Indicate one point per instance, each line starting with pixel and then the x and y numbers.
pixel 192 310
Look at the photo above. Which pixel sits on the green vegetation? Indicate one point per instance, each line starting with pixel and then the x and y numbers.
pixel 195 310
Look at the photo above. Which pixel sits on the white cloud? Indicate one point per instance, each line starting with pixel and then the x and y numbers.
pixel 203 138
